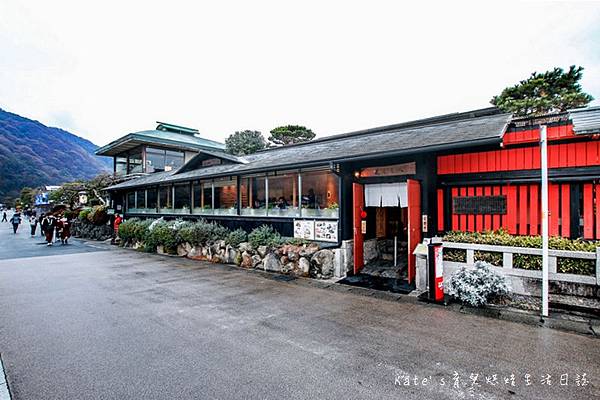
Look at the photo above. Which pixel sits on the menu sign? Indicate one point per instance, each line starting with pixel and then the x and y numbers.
pixel 326 231
pixel 304 229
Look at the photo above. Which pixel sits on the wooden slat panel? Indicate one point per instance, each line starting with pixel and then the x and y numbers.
pixel 496 219
pixel 440 210
pixel 471 217
pixel 455 220
pixel 534 208
pixel 572 154
pixel 553 154
pixel 553 209
pixel 479 217
pixel 463 218
pixel 598 211
pixel 588 211
pixel 536 158
pixel 487 219
pixel 565 210
pixel 523 203
pixel 511 209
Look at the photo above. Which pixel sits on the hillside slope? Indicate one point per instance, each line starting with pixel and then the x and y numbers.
pixel 32 154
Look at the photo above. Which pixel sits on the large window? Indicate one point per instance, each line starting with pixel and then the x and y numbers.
pixel 182 198
pixel 131 201
pixel 283 195
pixel 152 199
pixel 173 160
pixel 158 160
pixel 320 194
pixel 135 162
pixel 120 165
pixel 165 199
pixel 252 195
pixel 141 199
pixel 225 196
pixel 203 197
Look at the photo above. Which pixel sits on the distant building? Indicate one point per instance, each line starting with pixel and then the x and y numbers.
pixel 165 148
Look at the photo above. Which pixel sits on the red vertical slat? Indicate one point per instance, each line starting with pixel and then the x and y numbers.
pixel 511 209
pixel 496 218
pixel 479 217
pixel 565 210
pixel 572 154
pixel 553 155
pixel 471 217
pixel 455 226
pixel 534 207
pixel 563 155
pixel 504 160
pixel 588 211
pixel 528 161
pixel 358 203
pixel 440 208
pixel 591 150
pixel 523 206
pixel 413 189
pixel 536 158
pixel 580 150
pixel 463 217
pixel 491 161
pixel 553 209
pixel 487 219
pixel 597 211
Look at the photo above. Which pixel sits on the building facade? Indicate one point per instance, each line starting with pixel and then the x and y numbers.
pixel 472 171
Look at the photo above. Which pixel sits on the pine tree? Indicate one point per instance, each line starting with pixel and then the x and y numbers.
pixel 290 134
pixel 245 142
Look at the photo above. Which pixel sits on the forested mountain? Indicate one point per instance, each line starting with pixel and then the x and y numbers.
pixel 32 154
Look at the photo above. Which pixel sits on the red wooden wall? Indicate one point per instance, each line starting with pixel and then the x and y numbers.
pixel 523 210
pixel 591 211
pixel 579 154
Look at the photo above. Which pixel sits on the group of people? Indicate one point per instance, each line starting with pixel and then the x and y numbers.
pixel 52 227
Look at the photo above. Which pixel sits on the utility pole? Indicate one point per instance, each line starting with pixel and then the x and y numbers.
pixel 544 165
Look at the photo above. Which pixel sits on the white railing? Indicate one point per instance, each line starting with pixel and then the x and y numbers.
pixel 507 261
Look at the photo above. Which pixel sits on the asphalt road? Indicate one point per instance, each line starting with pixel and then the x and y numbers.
pixel 124 325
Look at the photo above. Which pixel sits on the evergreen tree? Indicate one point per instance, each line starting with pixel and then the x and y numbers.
pixel 290 134
pixel 245 142
pixel 548 92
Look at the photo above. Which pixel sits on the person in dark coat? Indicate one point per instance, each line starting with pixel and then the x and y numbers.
pixel 42 232
pixel 65 232
pixel 4 216
pixel 15 221
pixel 48 224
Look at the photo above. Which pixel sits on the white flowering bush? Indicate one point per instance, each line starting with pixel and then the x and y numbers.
pixel 477 286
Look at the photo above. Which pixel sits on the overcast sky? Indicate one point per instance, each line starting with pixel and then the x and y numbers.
pixel 102 69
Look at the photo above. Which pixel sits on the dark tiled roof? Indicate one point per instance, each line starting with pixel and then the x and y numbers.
pixel 430 135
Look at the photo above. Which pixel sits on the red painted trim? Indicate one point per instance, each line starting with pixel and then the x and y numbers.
pixel 359 202
pixel 565 210
pixel 487 219
pixel 534 209
pixel 588 211
pixel 455 225
pixel 479 217
pixel 522 206
pixel 462 226
pixel 511 209
pixel 553 209
pixel 471 217
pixel 440 209
pixel 598 211
pixel 413 189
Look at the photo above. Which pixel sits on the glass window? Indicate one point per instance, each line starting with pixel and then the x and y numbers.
pixel 202 197
pixel 155 160
pixel 141 198
pixel 182 198
pixel 131 201
pixel 152 197
pixel 252 195
pixel 135 162
pixel 120 165
pixel 320 194
pixel 173 160
pixel 283 194
pixel 164 195
pixel 225 199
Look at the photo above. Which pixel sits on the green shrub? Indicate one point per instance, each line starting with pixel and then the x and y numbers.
pixel 264 235
pixel 295 241
pixel 531 262
pixel 236 237
pixel 455 255
pixel 83 214
pixel 98 215
pixel 491 257
pixel 163 233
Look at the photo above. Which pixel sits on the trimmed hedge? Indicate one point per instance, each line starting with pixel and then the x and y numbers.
pixel 524 261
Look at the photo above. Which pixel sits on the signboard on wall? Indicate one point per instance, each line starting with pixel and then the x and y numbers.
pixel 326 231
pixel 304 229
pixel 389 170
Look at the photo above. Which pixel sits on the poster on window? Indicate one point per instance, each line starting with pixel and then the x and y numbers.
pixel 304 229
pixel 326 231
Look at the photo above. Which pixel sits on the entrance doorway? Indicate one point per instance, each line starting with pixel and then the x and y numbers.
pixel 386 234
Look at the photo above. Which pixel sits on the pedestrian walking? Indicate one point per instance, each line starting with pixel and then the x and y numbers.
pixel 42 232
pixel 65 232
pixel 4 216
pixel 15 221
pixel 33 224
pixel 48 224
